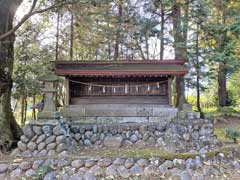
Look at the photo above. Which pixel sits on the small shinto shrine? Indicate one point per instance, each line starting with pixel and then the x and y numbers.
pixel 99 91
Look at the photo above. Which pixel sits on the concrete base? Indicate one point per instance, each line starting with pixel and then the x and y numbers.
pixel 119 114
pixel 46 115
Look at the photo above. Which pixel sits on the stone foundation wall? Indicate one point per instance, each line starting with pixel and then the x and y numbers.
pixel 200 165
pixel 43 138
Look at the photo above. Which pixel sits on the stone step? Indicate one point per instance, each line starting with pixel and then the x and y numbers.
pixel 120 100
pixel 119 112
pixel 118 120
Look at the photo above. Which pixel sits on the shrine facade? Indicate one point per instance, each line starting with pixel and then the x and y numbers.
pixel 99 89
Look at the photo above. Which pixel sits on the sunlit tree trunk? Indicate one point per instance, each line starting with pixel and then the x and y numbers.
pixel 180 26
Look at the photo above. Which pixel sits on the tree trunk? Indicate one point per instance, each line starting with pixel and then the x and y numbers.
pixel 71 38
pixel 222 85
pixel 162 32
pixel 117 41
pixel 34 110
pixel 10 130
pixel 180 40
pixel 198 70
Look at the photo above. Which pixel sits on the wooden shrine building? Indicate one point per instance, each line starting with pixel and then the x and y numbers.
pixel 122 88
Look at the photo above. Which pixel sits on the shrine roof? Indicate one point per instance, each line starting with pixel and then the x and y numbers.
pixel 120 68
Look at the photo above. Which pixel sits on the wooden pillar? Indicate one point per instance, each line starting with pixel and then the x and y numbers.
pixel 170 90
pixel 67 92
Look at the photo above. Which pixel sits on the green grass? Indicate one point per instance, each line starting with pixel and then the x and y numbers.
pixel 221 135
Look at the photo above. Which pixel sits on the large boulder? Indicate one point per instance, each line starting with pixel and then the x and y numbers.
pixel 113 141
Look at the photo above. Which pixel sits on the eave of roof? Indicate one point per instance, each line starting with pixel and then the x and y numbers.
pixel 118 73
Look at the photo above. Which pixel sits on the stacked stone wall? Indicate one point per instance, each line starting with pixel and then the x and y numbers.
pixel 54 137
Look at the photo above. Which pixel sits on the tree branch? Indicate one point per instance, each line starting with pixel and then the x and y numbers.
pixel 28 15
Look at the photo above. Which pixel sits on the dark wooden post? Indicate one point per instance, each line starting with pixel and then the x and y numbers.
pixel 67 93
pixel 170 90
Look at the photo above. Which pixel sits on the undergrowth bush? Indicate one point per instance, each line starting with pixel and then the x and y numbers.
pixel 233 134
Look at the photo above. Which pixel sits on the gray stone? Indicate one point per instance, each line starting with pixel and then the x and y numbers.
pixel 50 139
pixel 77 136
pixel 151 141
pixel 47 130
pixel 94 138
pixel 61 147
pixel 2 176
pixel 113 130
pixel 185 176
pixel 113 141
pixel 41 146
pixel 60 139
pixel 27 131
pixel 3 168
pixel 96 170
pixel 179 163
pixel 111 171
pixel 145 136
pixel 89 163
pixel 143 162
pixel 160 142
pixel 41 138
pixel 87 142
pixel 105 162
pixel 37 164
pixel 51 176
pixel 127 143
pixel 15 173
pixel 206 129
pixel 190 164
pixel 136 170
pixel 195 135
pixel 198 161
pixel 62 163
pixel 119 161
pixel 29 173
pixel 51 152
pixel 123 172
pixel 140 144
pixel 89 176
pixel 32 146
pixel 42 153
pixel 25 165
pixel 13 166
pixel 51 146
pixel 88 134
pixel 166 165
pixel 57 130
pixel 129 163
pixel 133 138
pixel 37 130
pixel 27 153
pixel 24 139
pixel 77 163
pixel 83 170
pixel 22 146
pixel 76 177
pixel 186 136
pixel 151 170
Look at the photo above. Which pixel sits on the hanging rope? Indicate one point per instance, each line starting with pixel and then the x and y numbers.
pixel 120 86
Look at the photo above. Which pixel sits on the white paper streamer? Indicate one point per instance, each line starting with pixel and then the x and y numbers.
pixel 104 89
pixel 126 89
pixel 148 88
pixel 114 90
pixel 158 85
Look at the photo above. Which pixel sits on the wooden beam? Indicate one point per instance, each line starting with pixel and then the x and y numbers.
pixel 67 92
pixel 170 90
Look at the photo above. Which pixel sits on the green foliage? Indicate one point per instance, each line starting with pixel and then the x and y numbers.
pixel 232 134
pixel 41 172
